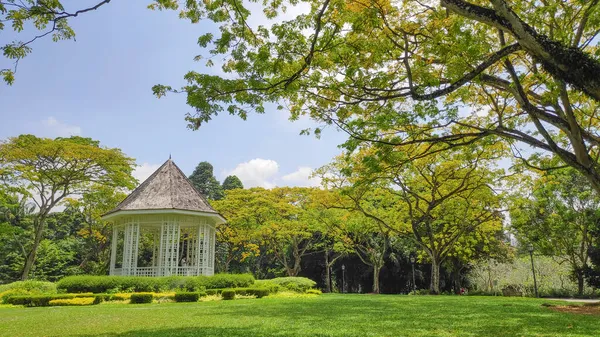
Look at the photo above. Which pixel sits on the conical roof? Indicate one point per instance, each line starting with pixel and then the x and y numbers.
pixel 166 189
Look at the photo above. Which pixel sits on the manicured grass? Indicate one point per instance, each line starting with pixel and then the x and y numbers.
pixel 326 315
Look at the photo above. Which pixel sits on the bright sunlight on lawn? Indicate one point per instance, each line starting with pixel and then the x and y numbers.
pixel 326 315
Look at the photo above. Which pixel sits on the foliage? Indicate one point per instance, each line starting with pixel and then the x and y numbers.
pixel 46 17
pixel 204 180
pixel 553 278
pixel 592 273
pixel 73 301
pixel 95 232
pixel 298 284
pixel 187 297
pixel 28 287
pixel 314 292
pixel 102 284
pixel 558 218
pixel 276 220
pixel 49 170
pixel 231 183
pixel 139 298
pixel 446 204
pixel 228 294
pixel 399 73
pixel 346 315
pixel 43 300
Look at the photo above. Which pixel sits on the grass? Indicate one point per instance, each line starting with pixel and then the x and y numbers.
pixel 326 315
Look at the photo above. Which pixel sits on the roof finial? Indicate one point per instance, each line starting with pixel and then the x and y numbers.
pixel 169 156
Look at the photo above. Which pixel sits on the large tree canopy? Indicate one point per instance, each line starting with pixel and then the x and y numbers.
pixel 400 72
pixel 49 170
pixel 47 17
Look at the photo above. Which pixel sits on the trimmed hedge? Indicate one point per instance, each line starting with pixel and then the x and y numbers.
pixel 44 300
pixel 74 301
pixel 228 294
pixel 24 288
pixel 140 298
pixel 187 297
pixel 255 291
pixel 104 284
pixel 297 284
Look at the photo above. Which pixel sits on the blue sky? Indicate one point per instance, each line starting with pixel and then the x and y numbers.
pixel 99 86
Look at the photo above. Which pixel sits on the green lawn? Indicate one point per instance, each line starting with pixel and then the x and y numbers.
pixel 326 315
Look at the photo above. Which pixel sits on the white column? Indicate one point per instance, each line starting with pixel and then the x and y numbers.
pixel 211 251
pixel 205 249
pixel 169 247
pixel 200 250
pixel 113 251
pixel 130 248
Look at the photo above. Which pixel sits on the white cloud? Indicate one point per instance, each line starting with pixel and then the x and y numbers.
pixel 302 178
pixel 256 172
pixel 54 128
pixel 142 172
pixel 265 173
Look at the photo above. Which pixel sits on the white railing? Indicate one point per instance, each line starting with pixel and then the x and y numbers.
pixel 160 271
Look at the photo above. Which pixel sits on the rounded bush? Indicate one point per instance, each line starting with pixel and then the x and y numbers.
pixel 297 284
pixel 187 297
pixel 140 298
pixel 228 294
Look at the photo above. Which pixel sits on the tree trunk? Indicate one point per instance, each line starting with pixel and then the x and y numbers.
pixel 435 277
pixel 39 231
pixel 327 273
pixel 580 283
pixel 376 271
pixel 456 280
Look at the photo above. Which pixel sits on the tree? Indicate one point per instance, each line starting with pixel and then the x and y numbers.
pixel 558 219
pixel 232 182
pixel 15 230
pixel 48 17
pixel 203 179
pixel 437 201
pixel 95 232
pixel 291 234
pixel 237 237
pixel 406 69
pixel 330 222
pixel 49 170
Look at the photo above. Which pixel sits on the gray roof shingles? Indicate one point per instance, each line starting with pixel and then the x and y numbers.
pixel 167 188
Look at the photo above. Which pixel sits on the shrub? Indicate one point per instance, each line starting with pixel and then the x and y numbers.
pixel 211 292
pixel 228 281
pixel 107 284
pixel 297 284
pixel 26 288
pixel 267 284
pixel 74 301
pixel 140 298
pixel 187 297
pixel 228 294
pixel 314 291
pixel 42 300
pixel 259 292
pixel 512 290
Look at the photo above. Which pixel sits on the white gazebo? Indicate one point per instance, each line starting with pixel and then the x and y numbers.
pixel 175 222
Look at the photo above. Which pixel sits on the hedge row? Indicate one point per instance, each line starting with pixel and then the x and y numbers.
pixel 44 300
pixel 74 301
pixel 226 293
pixel 103 284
